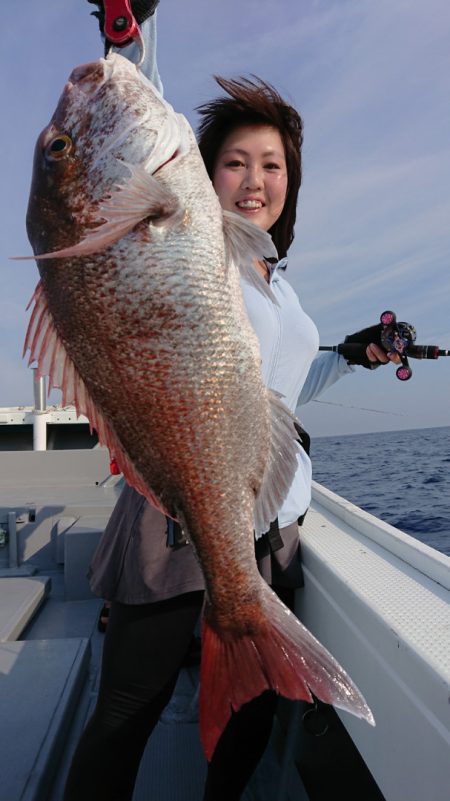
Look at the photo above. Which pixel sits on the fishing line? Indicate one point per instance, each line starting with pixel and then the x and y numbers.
pixel 359 408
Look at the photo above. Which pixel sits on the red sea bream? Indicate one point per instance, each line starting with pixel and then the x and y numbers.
pixel 138 318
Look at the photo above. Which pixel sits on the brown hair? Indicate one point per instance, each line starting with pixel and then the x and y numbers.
pixel 254 102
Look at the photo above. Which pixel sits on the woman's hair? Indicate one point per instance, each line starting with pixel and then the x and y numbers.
pixel 254 102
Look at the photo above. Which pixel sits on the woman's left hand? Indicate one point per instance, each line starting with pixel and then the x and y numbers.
pixel 377 355
pixel 371 353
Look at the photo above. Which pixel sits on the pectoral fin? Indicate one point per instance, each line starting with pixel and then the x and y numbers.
pixel 281 466
pixel 138 198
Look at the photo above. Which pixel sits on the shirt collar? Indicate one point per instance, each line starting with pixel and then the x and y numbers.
pixel 275 266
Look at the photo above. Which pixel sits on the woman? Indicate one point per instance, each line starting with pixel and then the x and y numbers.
pixel 251 143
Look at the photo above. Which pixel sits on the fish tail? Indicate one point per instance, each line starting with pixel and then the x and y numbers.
pixel 283 656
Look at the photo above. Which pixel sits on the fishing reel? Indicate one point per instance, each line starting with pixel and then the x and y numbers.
pixel 397 338
pixel 394 337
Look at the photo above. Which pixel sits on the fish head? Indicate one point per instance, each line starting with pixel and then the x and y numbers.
pixel 109 116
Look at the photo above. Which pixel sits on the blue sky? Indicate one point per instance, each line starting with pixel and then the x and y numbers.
pixel 372 82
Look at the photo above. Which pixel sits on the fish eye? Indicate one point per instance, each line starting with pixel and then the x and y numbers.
pixel 59 147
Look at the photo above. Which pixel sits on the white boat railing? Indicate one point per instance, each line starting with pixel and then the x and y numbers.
pixel 40 415
pixel 380 601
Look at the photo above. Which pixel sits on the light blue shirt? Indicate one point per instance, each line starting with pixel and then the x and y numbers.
pixel 288 338
pixel 289 341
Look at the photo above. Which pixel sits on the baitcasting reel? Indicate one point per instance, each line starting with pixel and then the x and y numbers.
pixel 397 338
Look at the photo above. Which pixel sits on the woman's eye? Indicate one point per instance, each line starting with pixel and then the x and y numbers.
pixel 272 166
pixel 59 147
pixel 234 163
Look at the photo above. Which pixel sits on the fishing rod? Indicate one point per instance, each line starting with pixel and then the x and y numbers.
pixel 396 337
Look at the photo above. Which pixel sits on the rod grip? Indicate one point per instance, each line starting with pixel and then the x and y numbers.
pixel 423 351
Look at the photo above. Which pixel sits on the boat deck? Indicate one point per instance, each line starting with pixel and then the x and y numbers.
pixel 177 733
pixel 50 648
pixel 377 599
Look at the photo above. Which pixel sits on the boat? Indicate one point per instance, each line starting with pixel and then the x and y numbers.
pixel 376 597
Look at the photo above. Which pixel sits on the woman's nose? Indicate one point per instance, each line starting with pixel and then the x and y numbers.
pixel 252 178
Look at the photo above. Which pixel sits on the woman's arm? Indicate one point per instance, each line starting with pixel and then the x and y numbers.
pixel 325 370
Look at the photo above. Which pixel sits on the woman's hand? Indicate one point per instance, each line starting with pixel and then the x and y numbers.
pixel 370 353
pixel 377 355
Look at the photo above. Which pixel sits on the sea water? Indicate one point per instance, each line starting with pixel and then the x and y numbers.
pixel 403 477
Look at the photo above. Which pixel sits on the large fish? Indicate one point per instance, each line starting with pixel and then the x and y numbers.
pixel 139 319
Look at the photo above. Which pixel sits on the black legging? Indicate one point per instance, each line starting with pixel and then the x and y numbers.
pixel 144 648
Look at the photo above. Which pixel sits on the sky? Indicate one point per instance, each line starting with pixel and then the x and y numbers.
pixel 371 79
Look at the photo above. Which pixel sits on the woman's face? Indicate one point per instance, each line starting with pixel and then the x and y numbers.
pixel 250 174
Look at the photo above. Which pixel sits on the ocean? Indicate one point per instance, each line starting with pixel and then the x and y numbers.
pixel 403 477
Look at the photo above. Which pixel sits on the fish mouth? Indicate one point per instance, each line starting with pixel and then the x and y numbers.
pixel 88 77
